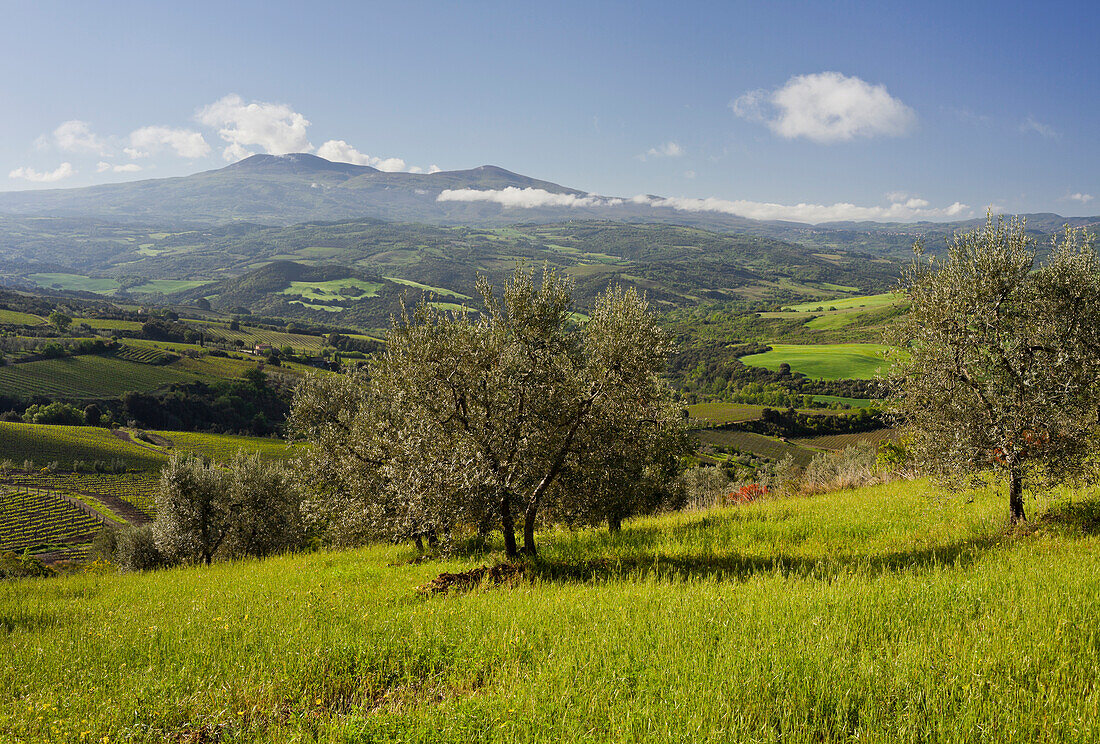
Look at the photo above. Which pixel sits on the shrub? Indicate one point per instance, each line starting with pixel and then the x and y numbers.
pixel 705 487
pixel 852 467
pixel 136 550
pixel 105 545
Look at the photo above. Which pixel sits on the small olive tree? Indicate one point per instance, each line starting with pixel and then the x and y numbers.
pixel 998 362
pixel 469 418
pixel 251 508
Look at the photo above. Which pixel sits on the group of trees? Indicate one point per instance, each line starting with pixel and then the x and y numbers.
pixel 512 417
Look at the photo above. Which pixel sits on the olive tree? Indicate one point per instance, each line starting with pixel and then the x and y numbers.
pixel 472 418
pixel 998 362
pixel 250 508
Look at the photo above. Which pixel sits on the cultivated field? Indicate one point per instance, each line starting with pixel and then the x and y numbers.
pixel 723 413
pixel 85 377
pixel 896 613
pixel 824 361
pixel 42 444
pixel 840 441
pixel 758 444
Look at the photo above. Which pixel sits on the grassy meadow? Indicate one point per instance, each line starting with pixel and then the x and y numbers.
pixel 895 613
pixel 824 361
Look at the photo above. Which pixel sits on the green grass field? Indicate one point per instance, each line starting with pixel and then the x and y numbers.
pixel 853 402
pixel 330 290
pixel 845 303
pixel 888 614
pixel 222 447
pixel 75 282
pixel 168 286
pixel 824 361
pixel 428 288
pixel 13 317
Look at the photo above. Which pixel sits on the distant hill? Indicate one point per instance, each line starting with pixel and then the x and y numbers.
pixel 280 190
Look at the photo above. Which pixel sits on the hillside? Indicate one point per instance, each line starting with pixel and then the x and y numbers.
pixel 677 265
pixel 892 613
pixel 288 189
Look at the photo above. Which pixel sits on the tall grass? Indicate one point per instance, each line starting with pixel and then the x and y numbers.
pixel 888 613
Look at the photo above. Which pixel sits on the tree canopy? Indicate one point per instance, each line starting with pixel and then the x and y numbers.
pixel 498 418
pixel 999 358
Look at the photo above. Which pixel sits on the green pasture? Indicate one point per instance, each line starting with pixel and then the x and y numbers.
pixel 428 288
pixel 897 613
pixel 168 286
pixel 222 447
pixel 75 282
pixel 846 303
pixel 107 324
pixel 330 290
pixel 824 361
pixel 14 317
pixel 853 402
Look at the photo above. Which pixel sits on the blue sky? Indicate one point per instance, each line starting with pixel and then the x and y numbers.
pixel 792 110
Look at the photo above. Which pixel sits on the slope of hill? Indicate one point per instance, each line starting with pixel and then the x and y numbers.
pixel 288 189
pixel 891 613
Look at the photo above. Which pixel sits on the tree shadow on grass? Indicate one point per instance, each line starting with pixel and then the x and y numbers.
pixel 1074 518
pixel 737 567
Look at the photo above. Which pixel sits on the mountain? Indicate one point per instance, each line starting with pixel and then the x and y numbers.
pixel 281 190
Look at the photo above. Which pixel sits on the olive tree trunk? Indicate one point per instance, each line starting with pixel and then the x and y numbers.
pixel 1015 496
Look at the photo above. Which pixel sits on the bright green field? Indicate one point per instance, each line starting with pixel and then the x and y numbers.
pixel 428 288
pixel 823 361
pixel 167 286
pixel 222 447
pixel 853 402
pixel 844 303
pixel 887 614
pixel 330 290
pixel 75 282
pixel 109 324
pixel 16 318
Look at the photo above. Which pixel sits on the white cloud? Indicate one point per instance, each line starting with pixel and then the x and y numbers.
pixel 341 152
pixel 906 199
pixel 1031 124
pixel 1079 197
pixel 527 198
pixel 185 142
pixel 65 170
pixel 827 107
pixel 77 136
pixel 669 149
pixel 433 168
pixel 910 210
pixel 103 167
pixel 275 127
